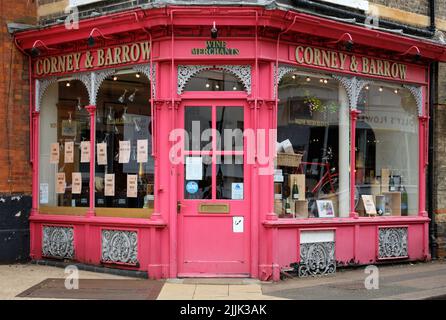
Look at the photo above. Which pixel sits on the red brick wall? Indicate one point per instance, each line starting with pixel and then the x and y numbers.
pixel 15 170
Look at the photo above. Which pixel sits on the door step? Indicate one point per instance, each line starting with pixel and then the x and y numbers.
pixel 215 281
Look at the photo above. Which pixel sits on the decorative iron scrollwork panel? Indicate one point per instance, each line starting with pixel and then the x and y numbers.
pixel 58 242
pixel 392 243
pixel 317 258
pixel 120 246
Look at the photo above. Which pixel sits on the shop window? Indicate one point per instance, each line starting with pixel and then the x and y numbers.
pixel 64 130
pixel 312 166
pixel 387 150
pixel 124 171
pixel 214 80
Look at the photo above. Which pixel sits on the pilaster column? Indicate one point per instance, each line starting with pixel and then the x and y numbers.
pixel 353 119
pixel 423 162
pixel 92 111
pixel 36 161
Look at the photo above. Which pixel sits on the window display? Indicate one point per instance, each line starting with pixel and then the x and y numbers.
pixel 64 129
pixel 312 165
pixel 387 149
pixel 124 173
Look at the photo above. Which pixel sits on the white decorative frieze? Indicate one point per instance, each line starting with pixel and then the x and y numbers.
pixel 392 243
pixel 58 242
pixel 119 246
pixel 186 72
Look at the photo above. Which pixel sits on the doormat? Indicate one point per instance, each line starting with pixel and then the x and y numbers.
pixel 96 289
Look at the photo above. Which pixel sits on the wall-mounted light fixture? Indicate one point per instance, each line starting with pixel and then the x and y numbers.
pixel 91 41
pixel 35 50
pixel 347 39
pixel 214 31
pixel 417 55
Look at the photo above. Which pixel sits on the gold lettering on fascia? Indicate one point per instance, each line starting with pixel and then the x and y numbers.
pixel 341 61
pixel 74 62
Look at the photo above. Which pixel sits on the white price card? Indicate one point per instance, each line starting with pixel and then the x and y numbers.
pixel 85 151
pixel 76 182
pixel 124 151
pixel 102 153
pixel 69 152
pixel 54 153
pixel 109 185
pixel 132 186
pixel 142 147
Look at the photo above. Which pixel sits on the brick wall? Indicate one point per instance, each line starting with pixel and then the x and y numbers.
pixel 439 161
pixel 15 171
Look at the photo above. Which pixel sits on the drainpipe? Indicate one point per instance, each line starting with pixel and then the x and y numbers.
pixel 433 69
pixel 432 26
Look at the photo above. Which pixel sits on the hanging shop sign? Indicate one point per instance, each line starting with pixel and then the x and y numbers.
pixel 82 61
pixel 311 56
pixel 215 47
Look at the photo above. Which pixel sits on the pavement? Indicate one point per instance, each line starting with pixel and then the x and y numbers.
pixel 393 282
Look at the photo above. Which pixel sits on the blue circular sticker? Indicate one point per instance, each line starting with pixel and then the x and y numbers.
pixel 192 187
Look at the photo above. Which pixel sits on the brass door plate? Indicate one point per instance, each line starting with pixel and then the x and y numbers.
pixel 213 208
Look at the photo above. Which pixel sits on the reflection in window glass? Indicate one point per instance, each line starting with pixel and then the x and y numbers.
pixel 197 124
pixel 64 124
pixel 230 178
pixel 214 80
pixel 124 125
pixel 312 176
pixel 230 124
pixel 387 150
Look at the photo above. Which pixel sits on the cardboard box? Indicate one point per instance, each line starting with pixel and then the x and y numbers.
pixel 300 178
pixel 301 208
pixel 392 203
pixel 385 176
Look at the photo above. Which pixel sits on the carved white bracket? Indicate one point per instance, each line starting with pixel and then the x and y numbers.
pixel 353 86
pixel 186 72
pixel 40 88
pixel 417 92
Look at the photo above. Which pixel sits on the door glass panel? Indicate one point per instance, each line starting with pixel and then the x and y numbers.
pixel 230 124
pixel 198 124
pixel 198 177
pixel 230 177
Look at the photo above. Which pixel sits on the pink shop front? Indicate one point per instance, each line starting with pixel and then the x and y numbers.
pixel 160 147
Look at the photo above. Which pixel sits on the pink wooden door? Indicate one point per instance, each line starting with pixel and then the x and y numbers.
pixel 213 191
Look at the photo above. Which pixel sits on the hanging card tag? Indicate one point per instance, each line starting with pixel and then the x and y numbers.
pixel 54 155
pixel 60 183
pixel 102 153
pixel 124 151
pixel 132 186
pixel 85 151
pixel 142 151
pixel 69 152
pixel 109 185
pixel 76 183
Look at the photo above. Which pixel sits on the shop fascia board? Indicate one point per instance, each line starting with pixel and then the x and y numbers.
pixel 116 24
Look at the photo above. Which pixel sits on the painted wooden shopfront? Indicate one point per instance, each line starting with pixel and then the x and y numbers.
pixel 171 206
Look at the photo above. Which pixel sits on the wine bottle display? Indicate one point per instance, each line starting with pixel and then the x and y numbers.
pixel 295 191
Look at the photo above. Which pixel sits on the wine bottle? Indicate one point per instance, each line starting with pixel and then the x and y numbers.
pixel 287 206
pixel 295 191
pixel 391 183
pixel 404 200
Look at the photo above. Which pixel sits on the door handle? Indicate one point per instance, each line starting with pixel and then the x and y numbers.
pixel 179 206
